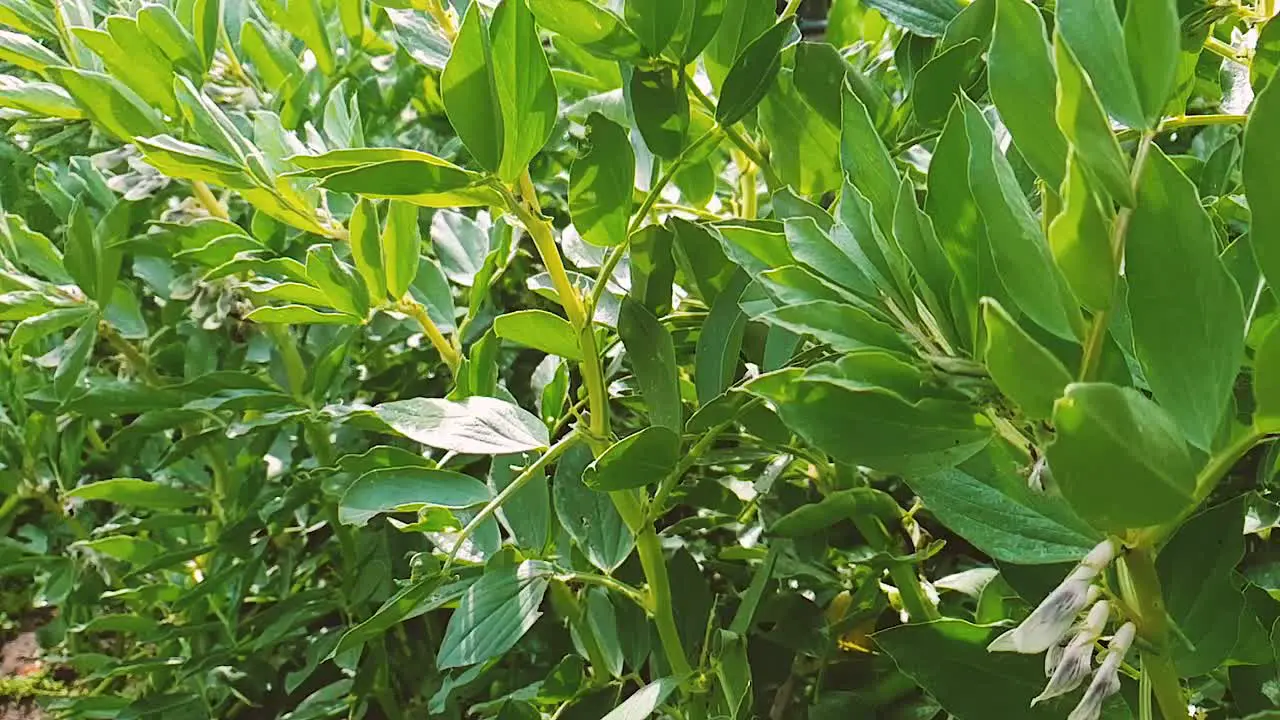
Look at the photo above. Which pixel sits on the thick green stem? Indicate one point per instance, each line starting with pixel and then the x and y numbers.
pixel 418 312
pixel 1140 585
pixel 529 473
pixel 655 572
pixel 914 598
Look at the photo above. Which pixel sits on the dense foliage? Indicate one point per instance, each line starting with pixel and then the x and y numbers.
pixel 563 359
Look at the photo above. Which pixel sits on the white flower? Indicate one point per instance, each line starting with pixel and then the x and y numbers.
pixel 1053 617
pixel 1076 659
pixel 1106 682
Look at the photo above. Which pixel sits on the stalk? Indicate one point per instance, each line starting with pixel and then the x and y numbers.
pixel 1141 586
pixel 914 598
pixel 418 312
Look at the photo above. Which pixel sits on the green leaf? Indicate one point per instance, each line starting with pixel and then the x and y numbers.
pixel 1190 344
pixel 418 598
pixel 959 225
pixel 1262 180
pixel 927 18
pixel 401 239
pixel 1119 458
pixel 526 90
pixel 602 182
pixel 949 659
pixel 942 80
pixel 834 508
pixel 1152 41
pixel 158 24
pixel 540 330
pixel 1000 515
pixel 477 425
pixel 109 103
pixel 866 161
pixel 471 94
pixel 461 244
pixel 742 22
pixel 179 159
pixel 660 104
pixel 337 281
pixel 366 250
pixel 640 459
pixel 1080 239
pixel 74 356
pixel 644 701
pixel 408 489
pixel 800 138
pixel 298 315
pixel 652 268
pixel 494 613
pixel 1021 367
pixel 206 23
pixel 38 98
pixel 31 250
pixel 753 73
pixel 1020 73
pixel 587 515
pixel 1266 381
pixel 125 548
pixel 873 426
pixel 653 360
pixel 720 342
pixel 429 183
pixel 40 326
pixel 597 30
pixel 23 51
pixel 1092 31
pixel 1086 127
pixel 134 492
pixel 833 254
pixel 1196 569
pixel 1266 57
pixel 699 21
pixel 1018 246
pixel 844 327
pixel 133 58
pixel 655 21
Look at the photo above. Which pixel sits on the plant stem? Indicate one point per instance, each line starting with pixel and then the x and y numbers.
pixel 790 9
pixel 519 482
pixel 208 199
pixel 418 312
pixel 1186 121
pixel 545 240
pixel 1207 480
pixel 1141 583
pixel 605 581
pixel 136 360
pixel 655 572
pixel 655 191
pixel 1098 330
pixel 736 137
pixel 1225 50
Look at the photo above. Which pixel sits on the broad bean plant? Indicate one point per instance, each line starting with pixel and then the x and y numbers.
pixel 695 359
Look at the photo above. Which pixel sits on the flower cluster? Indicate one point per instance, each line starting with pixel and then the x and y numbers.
pixel 1052 629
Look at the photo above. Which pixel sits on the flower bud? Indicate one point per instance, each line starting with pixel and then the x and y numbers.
pixel 1076 659
pixel 1106 682
pixel 1051 620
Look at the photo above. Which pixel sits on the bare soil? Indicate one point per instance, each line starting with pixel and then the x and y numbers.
pixel 19 657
